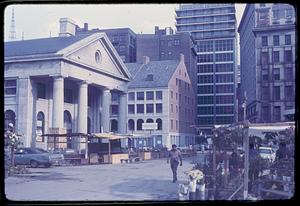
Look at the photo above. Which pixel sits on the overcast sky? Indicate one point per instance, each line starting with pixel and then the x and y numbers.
pixel 37 21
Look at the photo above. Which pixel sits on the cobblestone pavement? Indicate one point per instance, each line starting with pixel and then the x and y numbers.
pixel 145 180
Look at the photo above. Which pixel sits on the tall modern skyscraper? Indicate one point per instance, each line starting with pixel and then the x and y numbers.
pixel 268 55
pixel 213 27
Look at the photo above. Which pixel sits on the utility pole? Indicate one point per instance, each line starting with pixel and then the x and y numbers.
pixel 246 148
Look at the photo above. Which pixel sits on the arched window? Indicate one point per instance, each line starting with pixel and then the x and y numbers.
pixel 10 117
pixel 114 125
pixel 68 121
pixel 89 125
pixel 131 125
pixel 149 120
pixel 159 124
pixel 68 127
pixel 139 124
pixel 40 126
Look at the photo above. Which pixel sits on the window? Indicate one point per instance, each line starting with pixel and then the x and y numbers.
pixel 276 14
pixel 131 96
pixel 265 93
pixel 176 124
pixel 224 110
pixel 114 97
pixel 289 92
pixel 207 89
pixel 140 95
pixel 68 96
pixel 265 114
pixel 131 109
pixel 176 95
pixel 176 42
pixel 288 39
pixel 171 123
pixel 131 125
pixel 224 57
pixel 224 88
pixel 41 90
pixel 224 120
pixel 159 124
pixel 150 95
pixel 277 114
pixel 224 78
pixel 10 117
pixel 205 79
pixel 171 94
pixel 149 108
pixel 264 58
pixel 205 100
pixel 10 87
pixel 263 15
pixel 139 124
pixel 159 94
pixel 149 77
pixel 205 58
pixel 265 74
pixel 140 108
pixel 158 108
pixel 276 92
pixel 98 57
pixel 205 110
pixel 172 110
pixel 276 40
pixel 206 68
pixel 276 56
pixel 288 56
pixel 114 110
pixel 205 46
pixel 224 45
pixel 276 74
pixel 149 121
pixel 288 73
pixel 205 120
pixel 40 125
pixel 264 41
pixel 224 99
pixel 224 67
pixel 288 13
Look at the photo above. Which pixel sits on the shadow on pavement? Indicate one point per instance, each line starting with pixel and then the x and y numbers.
pixel 154 189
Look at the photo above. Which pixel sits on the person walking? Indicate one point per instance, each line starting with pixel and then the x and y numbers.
pixel 174 158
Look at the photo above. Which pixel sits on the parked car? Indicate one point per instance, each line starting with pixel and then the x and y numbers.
pixel 56 157
pixel 267 153
pixel 32 157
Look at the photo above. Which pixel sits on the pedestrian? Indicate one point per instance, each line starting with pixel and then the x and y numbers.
pixel 174 158
pixel 233 165
pixel 282 152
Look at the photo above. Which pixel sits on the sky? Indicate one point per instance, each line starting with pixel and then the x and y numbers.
pixel 41 21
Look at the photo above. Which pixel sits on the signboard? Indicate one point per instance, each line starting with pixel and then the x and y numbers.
pixel 57 130
pixel 149 126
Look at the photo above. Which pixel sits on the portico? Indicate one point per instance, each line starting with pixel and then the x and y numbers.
pixel 70 88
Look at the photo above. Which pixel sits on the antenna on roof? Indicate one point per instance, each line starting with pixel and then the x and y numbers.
pixel 22 35
pixel 12 31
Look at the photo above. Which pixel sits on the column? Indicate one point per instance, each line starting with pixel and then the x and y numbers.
pixel 106 101
pixel 99 112
pixel 122 114
pixel 82 107
pixel 58 102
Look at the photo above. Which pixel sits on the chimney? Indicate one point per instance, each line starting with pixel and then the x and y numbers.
pixel 181 57
pixel 146 60
pixel 67 27
pixel 86 26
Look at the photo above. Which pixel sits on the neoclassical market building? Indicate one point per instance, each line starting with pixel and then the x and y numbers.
pixel 73 82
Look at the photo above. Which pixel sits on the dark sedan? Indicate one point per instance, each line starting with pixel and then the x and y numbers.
pixel 32 157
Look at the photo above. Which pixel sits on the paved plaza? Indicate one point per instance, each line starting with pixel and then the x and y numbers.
pixel 145 180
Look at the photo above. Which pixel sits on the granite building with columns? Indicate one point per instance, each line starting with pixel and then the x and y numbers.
pixel 74 82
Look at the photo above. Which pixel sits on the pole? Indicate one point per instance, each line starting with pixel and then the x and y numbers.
pixel 246 161
pixel 109 152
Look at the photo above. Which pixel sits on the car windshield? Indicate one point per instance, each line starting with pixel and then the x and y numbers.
pixel 39 150
pixel 265 151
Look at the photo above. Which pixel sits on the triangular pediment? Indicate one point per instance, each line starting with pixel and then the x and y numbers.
pixel 97 52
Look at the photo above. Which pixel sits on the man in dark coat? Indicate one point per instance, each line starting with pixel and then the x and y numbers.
pixel 174 158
